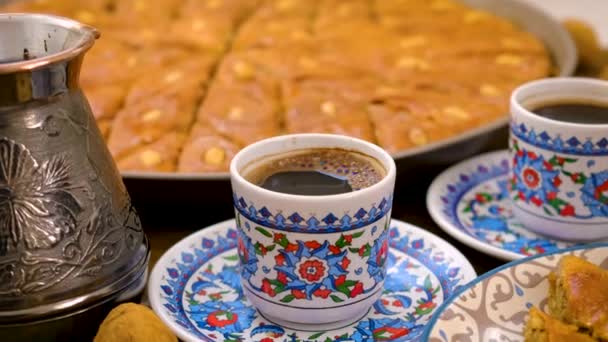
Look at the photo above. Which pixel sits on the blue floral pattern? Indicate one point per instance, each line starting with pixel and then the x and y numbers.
pixel 294 222
pixel 322 268
pixel 567 145
pixel 378 257
pixel 227 318
pixel 247 254
pixel 201 291
pixel 478 204
pixel 594 194
pixel 536 179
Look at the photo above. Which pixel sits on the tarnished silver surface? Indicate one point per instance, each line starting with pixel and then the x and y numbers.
pixel 69 236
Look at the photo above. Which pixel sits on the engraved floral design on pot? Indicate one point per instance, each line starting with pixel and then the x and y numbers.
pixel 37 206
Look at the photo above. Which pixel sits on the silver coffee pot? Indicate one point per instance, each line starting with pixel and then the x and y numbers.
pixel 71 244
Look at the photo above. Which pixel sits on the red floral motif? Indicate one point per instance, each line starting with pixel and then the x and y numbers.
pixel 215 296
pixel 340 280
pixel 557 181
pixel 537 201
pixel 575 177
pixel 389 333
pixel 322 293
pixel 345 262
pixel 316 264
pixel 312 270
pixel 267 288
pixel 521 195
pixel 428 305
pixel 242 249
pixel 567 210
pixel 357 290
pixel 279 259
pixel 299 294
pixel 312 244
pixel 282 277
pixel 531 177
pixel 382 254
pixel 599 191
pixel 222 318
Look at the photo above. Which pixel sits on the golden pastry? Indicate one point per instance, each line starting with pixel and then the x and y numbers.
pixel 248 103
pixel 578 295
pixel 105 100
pixel 160 155
pixel 541 327
pixel 133 322
pixel 587 44
pixel 251 69
pixel 145 122
pixel 206 151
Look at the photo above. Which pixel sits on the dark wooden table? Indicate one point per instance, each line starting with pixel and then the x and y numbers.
pixel 172 210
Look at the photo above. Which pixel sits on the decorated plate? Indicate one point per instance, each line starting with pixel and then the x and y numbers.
pixel 495 306
pixel 195 289
pixel 471 202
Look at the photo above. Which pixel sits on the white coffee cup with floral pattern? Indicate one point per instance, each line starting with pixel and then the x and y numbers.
pixel 559 169
pixel 317 260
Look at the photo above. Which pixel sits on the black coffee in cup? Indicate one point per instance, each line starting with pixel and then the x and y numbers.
pixel 575 111
pixel 315 172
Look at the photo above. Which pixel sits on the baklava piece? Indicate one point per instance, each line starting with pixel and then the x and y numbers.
pixel 259 32
pixel 204 33
pixel 107 63
pixel 323 107
pixel 145 122
pixel 188 76
pixel 105 100
pixel 243 112
pixel 158 156
pixel 578 295
pixel 332 14
pixel 206 151
pixel 541 327
pixel 233 11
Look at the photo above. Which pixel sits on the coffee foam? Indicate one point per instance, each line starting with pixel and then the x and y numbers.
pixel 361 171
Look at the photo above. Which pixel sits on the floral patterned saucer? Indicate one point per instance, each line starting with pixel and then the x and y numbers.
pixel 195 289
pixel 471 202
pixel 494 307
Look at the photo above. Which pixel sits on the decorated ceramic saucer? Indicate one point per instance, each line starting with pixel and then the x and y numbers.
pixel 195 289
pixel 494 307
pixel 470 201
